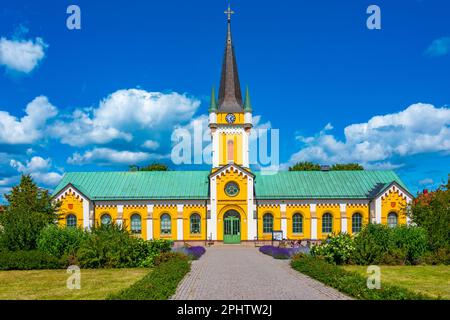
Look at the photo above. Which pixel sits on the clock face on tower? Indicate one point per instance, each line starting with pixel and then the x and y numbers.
pixel 231 118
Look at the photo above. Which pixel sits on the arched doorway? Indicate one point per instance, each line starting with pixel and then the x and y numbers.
pixel 231 227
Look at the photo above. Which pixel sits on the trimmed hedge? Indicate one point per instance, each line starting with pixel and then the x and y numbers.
pixel 350 283
pixel 29 260
pixel 159 284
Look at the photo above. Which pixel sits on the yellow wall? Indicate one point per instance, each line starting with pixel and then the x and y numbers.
pixel 158 211
pixel 128 211
pixel 363 209
pixel 221 118
pixel 276 212
pixel 335 210
pixel 70 204
pixel 223 148
pixel 187 212
pixel 101 210
pixel 238 203
pixel 305 212
pixel 399 207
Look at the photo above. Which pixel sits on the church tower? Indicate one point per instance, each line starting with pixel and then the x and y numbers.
pixel 230 117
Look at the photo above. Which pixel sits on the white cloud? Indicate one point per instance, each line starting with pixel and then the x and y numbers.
pixel 426 181
pixel 421 128
pixel 124 114
pixel 29 128
pixel 47 178
pixel 83 130
pixel 38 168
pixel 35 164
pixel 105 156
pixel 8 181
pixel 150 145
pixel 21 55
pixel 439 47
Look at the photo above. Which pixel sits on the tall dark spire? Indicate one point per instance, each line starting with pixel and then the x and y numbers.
pixel 230 96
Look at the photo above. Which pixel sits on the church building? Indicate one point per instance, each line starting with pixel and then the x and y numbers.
pixel 231 203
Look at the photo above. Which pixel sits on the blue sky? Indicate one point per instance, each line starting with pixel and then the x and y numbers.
pixel 112 93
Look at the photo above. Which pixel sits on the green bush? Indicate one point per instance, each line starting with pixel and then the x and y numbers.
pixel 167 256
pixel 378 244
pixel 59 241
pixel 371 244
pixel 439 256
pixel 159 284
pixel 112 246
pixel 410 240
pixel 336 249
pixel 349 283
pixel 29 260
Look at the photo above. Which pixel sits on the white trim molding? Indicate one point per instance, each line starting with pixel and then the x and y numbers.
pixel 252 222
pixel 211 223
pixel 343 211
pixel 283 219
pixel 119 219
pixel 180 230
pixel 150 221
pixel 312 209
pixel 378 210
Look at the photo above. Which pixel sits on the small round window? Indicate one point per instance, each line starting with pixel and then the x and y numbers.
pixel 231 189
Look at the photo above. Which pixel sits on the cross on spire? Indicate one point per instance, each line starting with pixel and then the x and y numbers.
pixel 230 96
pixel 229 12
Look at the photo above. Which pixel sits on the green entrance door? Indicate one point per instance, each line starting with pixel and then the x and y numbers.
pixel 232 227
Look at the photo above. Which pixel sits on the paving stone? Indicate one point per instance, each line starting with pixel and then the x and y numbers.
pixel 239 272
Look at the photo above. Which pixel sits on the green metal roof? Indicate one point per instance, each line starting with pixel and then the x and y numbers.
pixel 194 184
pixel 139 185
pixel 323 184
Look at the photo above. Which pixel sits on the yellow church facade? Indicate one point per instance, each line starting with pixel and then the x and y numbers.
pixel 231 203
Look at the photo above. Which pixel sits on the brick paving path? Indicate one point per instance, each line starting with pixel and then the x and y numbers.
pixel 243 273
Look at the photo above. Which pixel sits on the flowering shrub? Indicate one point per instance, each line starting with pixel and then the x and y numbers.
pixel 337 249
pixel 282 253
pixel 193 253
pixel 266 250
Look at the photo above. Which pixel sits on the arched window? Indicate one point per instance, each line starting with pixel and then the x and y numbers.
pixel 71 221
pixel 297 223
pixel 136 224
pixel 106 219
pixel 356 222
pixel 267 223
pixel 166 224
pixel 327 223
pixel 392 220
pixel 230 151
pixel 195 223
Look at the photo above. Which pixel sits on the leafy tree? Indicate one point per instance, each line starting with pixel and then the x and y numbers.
pixel 151 167
pixel 431 210
pixel 305 166
pixel 347 166
pixel 29 210
pixel 310 166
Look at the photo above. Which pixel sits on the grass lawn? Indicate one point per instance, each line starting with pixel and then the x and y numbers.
pixel 51 284
pixel 431 280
